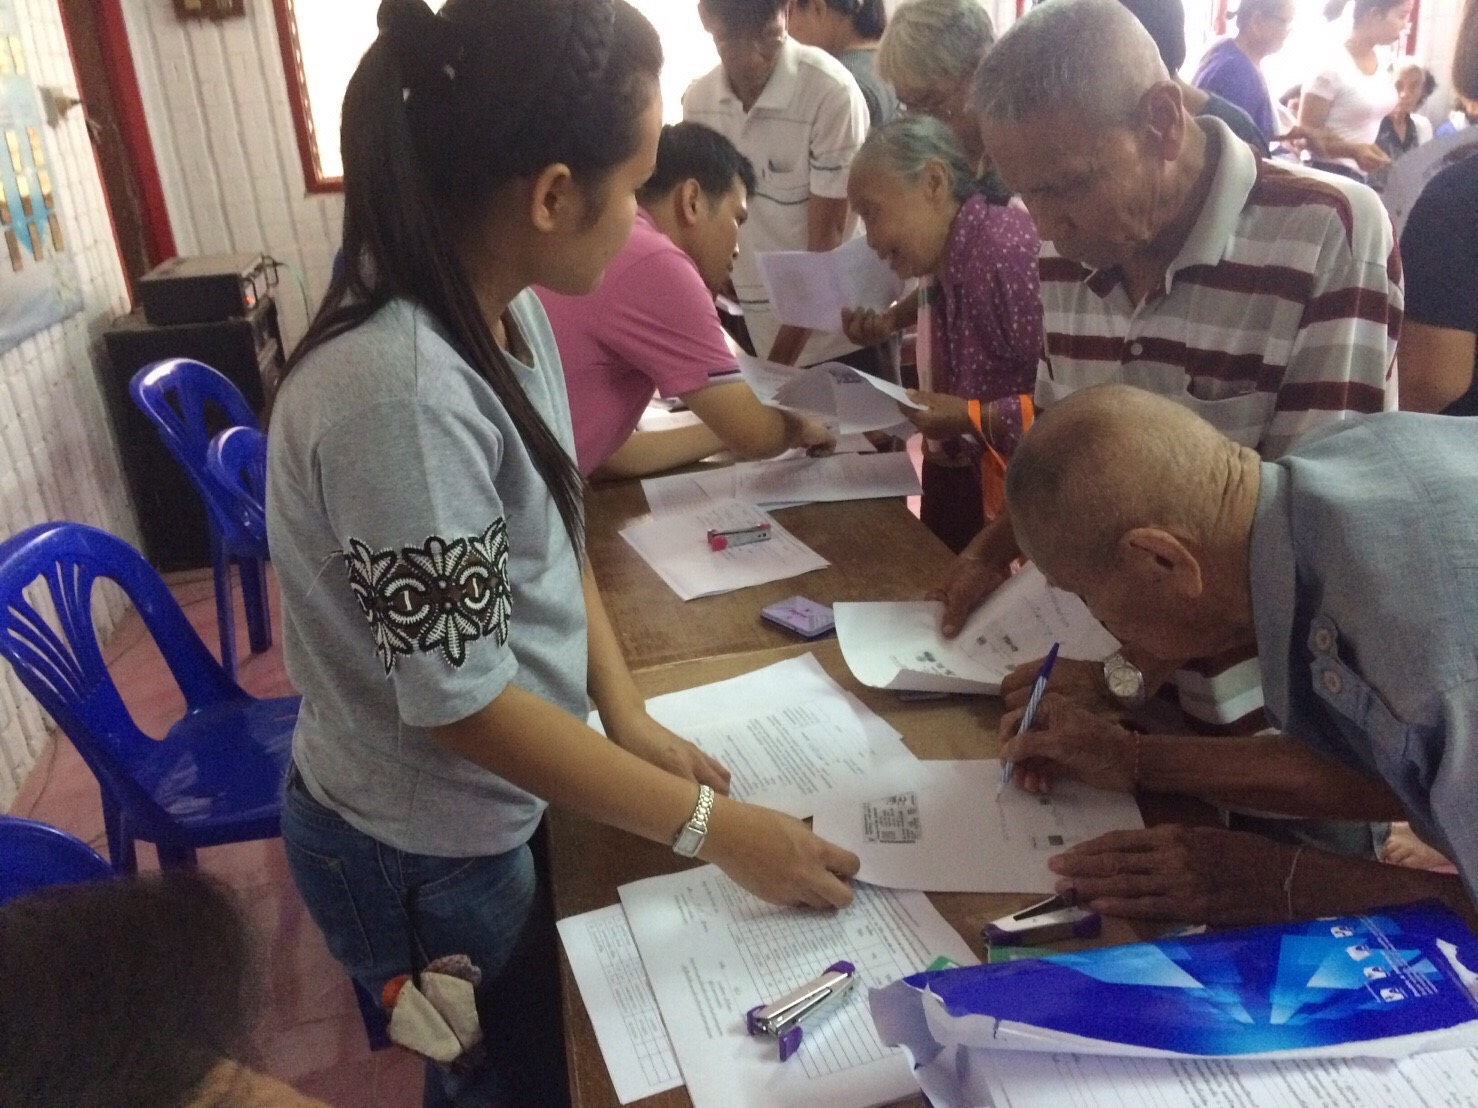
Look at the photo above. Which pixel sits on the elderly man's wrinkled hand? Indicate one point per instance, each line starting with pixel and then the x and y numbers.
pixel 1171 872
pixel 1066 741
pixel 1078 682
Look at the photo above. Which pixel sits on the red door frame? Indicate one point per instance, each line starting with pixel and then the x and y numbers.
pixel 123 82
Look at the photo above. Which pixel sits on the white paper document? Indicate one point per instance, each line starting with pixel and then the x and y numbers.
pixel 780 482
pixel 898 645
pixel 809 289
pixel 677 548
pixel 619 999
pixel 945 826
pixel 713 951
pixel 842 397
pixel 788 733
pixel 1027 1079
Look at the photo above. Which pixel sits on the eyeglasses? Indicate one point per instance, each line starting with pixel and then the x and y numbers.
pixel 935 103
pixel 766 43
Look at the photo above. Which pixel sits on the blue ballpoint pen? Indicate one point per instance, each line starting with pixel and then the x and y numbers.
pixel 1039 686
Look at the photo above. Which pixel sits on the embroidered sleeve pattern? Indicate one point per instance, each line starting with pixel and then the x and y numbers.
pixel 433 598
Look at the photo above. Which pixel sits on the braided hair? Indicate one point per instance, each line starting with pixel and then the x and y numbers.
pixel 445 109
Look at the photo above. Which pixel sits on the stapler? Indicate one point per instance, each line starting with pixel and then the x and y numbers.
pixel 784 1017
pixel 1046 921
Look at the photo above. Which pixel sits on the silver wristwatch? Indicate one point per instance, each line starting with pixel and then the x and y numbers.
pixel 690 839
pixel 1125 681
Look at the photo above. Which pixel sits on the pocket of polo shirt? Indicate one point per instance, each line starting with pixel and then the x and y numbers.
pixel 786 182
pixel 1243 418
pixel 1401 762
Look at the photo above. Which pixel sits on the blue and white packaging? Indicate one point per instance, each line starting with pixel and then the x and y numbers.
pixel 1387 985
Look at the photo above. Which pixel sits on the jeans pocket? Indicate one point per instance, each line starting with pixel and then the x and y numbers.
pixel 324 887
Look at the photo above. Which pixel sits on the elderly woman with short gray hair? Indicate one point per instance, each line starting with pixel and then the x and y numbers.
pixel 928 53
pixel 982 325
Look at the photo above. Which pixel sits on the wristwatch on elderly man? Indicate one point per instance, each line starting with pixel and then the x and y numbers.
pixel 690 839
pixel 1124 679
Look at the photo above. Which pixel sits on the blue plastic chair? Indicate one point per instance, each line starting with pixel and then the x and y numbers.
pixel 189 403
pixel 216 777
pixel 237 460
pixel 36 856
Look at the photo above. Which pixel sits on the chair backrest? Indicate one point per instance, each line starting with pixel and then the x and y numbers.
pixel 36 855
pixel 189 403
pixel 60 659
pixel 237 459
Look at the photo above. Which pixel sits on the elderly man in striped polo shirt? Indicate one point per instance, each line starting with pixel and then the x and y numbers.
pixel 1264 297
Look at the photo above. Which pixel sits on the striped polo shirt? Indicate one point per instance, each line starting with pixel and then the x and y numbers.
pixel 1279 315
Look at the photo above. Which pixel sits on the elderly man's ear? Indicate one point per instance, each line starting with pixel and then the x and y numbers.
pixel 1158 559
pixel 1162 119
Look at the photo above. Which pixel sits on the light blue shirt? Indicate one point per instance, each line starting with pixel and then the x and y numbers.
pixel 1364 578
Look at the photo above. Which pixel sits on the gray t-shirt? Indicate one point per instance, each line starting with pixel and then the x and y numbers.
pixel 423 568
pixel 882 101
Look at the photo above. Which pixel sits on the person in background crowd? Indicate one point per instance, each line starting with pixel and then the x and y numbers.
pixel 1175 535
pixel 1439 252
pixel 1462 117
pixel 440 615
pixel 1232 68
pixel 849 30
pixel 136 990
pixel 1346 97
pixel 1165 21
pixel 1404 130
pixel 916 195
pixel 651 324
pixel 797 114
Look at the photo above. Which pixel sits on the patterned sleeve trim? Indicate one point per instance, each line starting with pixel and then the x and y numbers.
pixel 436 597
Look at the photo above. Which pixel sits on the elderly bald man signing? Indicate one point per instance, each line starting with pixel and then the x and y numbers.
pixel 1264 297
pixel 1351 563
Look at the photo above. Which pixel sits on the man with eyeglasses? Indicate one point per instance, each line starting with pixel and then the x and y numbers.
pixel 797 114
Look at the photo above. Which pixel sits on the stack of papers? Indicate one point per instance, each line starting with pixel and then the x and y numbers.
pixel 676 547
pixel 838 395
pixel 784 482
pixel 947 826
pixel 809 289
pixel 898 645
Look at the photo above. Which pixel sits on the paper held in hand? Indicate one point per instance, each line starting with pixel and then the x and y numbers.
pixel 845 399
pixel 898 645
pixel 810 289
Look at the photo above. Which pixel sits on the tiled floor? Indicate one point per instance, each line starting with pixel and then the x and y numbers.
pixel 310 1034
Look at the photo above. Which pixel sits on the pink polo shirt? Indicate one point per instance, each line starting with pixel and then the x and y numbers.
pixel 651 325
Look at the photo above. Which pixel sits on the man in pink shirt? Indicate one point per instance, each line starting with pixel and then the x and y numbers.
pixel 652 326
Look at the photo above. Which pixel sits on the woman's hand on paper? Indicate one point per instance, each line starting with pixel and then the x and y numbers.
pixel 816 437
pixel 1173 872
pixel 1067 741
pixel 943 417
pixel 643 736
pixel 867 327
pixel 777 857
pixel 1078 682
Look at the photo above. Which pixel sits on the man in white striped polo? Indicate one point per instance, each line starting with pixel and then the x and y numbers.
pixel 1264 297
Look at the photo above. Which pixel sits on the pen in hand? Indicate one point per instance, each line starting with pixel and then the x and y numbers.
pixel 1039 686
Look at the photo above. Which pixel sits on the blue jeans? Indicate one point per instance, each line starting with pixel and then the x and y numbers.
pixel 357 889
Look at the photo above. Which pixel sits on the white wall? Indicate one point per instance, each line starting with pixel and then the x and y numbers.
pixel 57 456
pixel 215 96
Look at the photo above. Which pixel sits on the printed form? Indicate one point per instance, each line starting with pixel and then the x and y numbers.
pixel 811 289
pixel 810 738
pixel 898 645
pixel 783 482
pixel 1027 1079
pixel 944 826
pixel 618 996
pixel 712 952
pixel 849 401
pixel 676 547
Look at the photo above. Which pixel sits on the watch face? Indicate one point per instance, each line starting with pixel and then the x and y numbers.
pixel 688 841
pixel 1124 682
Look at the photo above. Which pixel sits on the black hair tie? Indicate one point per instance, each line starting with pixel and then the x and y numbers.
pixel 427 47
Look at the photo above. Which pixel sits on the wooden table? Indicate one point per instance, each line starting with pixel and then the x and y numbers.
pixel 877 551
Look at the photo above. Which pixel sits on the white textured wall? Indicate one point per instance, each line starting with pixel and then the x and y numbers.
pixel 57 457
pixel 216 100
